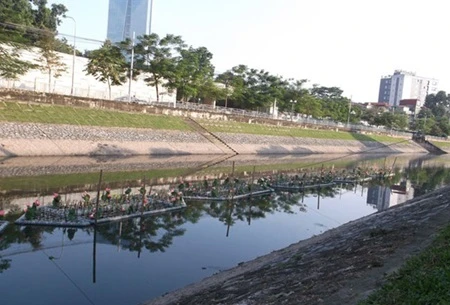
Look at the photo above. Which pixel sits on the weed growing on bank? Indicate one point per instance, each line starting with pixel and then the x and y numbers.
pixel 424 279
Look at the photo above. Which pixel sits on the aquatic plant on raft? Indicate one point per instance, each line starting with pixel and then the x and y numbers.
pixel 31 211
pixel 86 197
pixel 56 200
pixel 106 194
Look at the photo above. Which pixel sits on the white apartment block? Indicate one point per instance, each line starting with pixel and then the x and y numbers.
pixel 405 85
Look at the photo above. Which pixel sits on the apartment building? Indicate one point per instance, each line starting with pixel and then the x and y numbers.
pixel 405 85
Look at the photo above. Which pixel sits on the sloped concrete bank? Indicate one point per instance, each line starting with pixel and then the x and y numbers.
pixel 31 139
pixel 340 266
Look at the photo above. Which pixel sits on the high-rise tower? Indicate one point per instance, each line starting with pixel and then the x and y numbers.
pixel 128 16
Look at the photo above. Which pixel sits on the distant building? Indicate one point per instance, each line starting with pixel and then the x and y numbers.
pixel 379 197
pixel 410 106
pixel 405 85
pixel 383 197
pixel 128 16
pixel 380 106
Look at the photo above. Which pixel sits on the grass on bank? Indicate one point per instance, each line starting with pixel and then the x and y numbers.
pixel 441 144
pixel 424 279
pixel 237 127
pixel 55 114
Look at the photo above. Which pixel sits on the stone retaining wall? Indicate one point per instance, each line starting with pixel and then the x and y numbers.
pixel 259 144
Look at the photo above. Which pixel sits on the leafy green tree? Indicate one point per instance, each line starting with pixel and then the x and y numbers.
pixel 11 65
pixel 295 90
pixel 439 99
pixel 436 106
pixel 193 70
pixel 326 92
pixel 425 120
pixel 15 16
pixel 107 65
pixel 25 23
pixel 63 46
pixel 51 60
pixel 155 56
pixel 235 85
pixel 211 90
pixel 48 18
pixel 226 79
pixel 310 105
pixel 12 13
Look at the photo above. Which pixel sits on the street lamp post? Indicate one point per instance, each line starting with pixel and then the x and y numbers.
pixel 349 111
pixel 292 109
pixel 131 67
pixel 74 52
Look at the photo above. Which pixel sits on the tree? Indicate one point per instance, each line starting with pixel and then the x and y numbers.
pixel 27 23
pixel 211 90
pixel 63 46
pixel 48 18
pixel 227 80
pixel 156 56
pixel 234 83
pixel 107 64
pixel 13 13
pixel 51 60
pixel 193 70
pixel 15 16
pixel 326 92
pixel 11 66
pixel 310 105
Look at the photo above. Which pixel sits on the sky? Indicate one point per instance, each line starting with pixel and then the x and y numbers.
pixel 344 43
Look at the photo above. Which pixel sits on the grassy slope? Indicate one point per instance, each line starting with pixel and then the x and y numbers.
pixel 40 113
pixel 445 145
pixel 235 127
pixel 424 279
pixel 52 114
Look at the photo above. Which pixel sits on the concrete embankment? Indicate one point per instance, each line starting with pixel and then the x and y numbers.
pixel 340 266
pixel 31 139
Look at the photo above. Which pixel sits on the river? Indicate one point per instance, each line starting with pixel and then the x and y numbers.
pixel 132 261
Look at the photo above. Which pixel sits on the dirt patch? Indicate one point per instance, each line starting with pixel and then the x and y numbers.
pixel 341 266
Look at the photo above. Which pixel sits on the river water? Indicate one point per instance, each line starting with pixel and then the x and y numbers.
pixel 136 260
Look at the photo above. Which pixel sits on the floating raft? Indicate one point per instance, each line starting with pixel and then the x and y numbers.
pixel 236 197
pixel 366 179
pixel 80 223
pixel 84 221
pixel 3 225
pixel 281 187
pixel 138 214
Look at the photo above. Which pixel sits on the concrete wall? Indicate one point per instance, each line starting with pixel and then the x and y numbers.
pixel 84 85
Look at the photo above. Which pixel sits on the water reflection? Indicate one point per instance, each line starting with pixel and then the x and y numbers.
pixel 153 233
pixel 149 256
